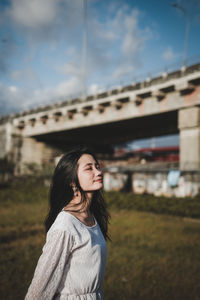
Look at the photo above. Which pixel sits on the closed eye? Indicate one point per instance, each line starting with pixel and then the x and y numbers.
pixel 88 169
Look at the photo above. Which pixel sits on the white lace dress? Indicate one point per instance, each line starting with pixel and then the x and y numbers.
pixel 72 264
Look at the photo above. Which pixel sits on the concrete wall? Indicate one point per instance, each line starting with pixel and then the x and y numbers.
pixel 114 181
pixel 186 184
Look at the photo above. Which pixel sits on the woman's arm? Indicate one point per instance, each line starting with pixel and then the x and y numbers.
pixel 50 266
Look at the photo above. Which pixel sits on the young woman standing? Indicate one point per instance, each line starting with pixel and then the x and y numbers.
pixel 72 264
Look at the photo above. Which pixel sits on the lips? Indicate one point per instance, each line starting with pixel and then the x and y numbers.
pixel 99 180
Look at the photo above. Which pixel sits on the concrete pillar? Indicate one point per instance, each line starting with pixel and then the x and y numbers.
pixel 5 138
pixel 35 153
pixel 10 146
pixel 189 125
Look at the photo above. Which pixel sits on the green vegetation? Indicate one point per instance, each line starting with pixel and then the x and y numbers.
pixel 185 207
pixel 151 256
pixel 6 170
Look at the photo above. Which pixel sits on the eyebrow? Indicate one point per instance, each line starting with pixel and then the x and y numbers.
pixel 90 164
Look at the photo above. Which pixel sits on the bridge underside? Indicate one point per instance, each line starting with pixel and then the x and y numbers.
pixel 103 137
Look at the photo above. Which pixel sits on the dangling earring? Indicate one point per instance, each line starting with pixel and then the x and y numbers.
pixel 75 190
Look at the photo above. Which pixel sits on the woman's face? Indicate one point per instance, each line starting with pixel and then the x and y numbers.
pixel 89 173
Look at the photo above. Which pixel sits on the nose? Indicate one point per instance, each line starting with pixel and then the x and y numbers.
pixel 98 172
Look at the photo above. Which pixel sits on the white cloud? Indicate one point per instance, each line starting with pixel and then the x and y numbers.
pixel 71 87
pixel 13 89
pixel 133 40
pixel 71 51
pixel 67 89
pixel 26 75
pixel 9 99
pixel 123 70
pixel 72 68
pixel 103 31
pixel 33 14
pixel 45 20
pixel 14 99
pixel 8 48
pixel 169 54
pixel 114 45
pixel 52 37
pixel 93 89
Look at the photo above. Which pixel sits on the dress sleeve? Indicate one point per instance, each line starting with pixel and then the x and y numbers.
pixel 50 266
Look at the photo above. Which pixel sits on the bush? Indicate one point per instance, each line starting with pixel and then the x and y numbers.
pixel 6 169
pixel 185 207
pixel 25 189
pixel 29 189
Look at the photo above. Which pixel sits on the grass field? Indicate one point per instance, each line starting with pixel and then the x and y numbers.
pixel 151 256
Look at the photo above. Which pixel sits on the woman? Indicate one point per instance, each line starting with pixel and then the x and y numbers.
pixel 73 260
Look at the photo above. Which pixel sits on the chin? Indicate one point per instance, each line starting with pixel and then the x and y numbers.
pixel 99 186
pixel 96 187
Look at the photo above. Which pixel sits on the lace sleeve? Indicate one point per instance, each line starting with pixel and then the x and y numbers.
pixel 49 270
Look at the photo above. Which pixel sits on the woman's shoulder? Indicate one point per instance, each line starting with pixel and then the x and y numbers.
pixel 64 222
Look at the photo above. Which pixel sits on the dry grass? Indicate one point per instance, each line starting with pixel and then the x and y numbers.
pixel 150 257
pixel 153 257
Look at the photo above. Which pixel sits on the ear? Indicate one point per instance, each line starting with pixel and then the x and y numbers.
pixel 75 189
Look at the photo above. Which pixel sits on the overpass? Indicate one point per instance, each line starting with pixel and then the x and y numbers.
pixel 162 105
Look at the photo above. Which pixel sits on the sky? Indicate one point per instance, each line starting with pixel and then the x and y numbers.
pixel 41 46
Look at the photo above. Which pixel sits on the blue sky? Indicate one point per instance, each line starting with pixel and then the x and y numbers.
pixel 41 46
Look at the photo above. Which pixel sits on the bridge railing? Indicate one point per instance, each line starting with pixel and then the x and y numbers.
pixel 171 72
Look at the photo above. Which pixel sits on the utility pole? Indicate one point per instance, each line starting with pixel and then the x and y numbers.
pixel 176 5
pixel 84 50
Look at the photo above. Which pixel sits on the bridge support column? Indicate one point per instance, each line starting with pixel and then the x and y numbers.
pixel 189 125
pixel 36 153
pixel 6 139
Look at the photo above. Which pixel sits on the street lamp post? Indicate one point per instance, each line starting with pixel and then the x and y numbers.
pixel 186 31
pixel 84 49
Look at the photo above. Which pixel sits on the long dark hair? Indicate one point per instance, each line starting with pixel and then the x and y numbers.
pixel 61 192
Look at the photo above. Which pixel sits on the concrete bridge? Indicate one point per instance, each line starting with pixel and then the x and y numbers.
pixel 163 105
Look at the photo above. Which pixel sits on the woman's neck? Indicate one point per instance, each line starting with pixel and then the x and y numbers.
pixel 76 205
pixel 81 210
